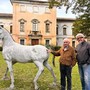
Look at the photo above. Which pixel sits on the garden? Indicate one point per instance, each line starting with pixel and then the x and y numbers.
pixel 25 73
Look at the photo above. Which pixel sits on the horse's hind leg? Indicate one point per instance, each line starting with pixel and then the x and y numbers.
pixel 51 70
pixel 5 75
pixel 41 68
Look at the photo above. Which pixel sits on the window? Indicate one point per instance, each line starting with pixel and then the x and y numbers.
pixel 22 24
pixel 72 30
pixel 35 9
pixel 35 25
pixel 64 30
pixel 11 29
pixel 22 8
pixel 22 41
pixel 57 30
pixel 47 10
pixel 47 42
pixel 47 26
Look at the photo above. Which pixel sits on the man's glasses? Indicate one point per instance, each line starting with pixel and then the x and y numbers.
pixel 79 38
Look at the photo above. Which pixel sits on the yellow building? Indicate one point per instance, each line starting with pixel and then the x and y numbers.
pixel 33 22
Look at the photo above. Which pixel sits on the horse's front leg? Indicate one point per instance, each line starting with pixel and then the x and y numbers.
pixel 5 75
pixel 9 63
pixel 41 68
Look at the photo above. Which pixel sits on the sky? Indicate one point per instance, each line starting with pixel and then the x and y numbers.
pixel 6 7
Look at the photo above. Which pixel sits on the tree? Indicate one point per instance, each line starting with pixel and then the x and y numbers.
pixel 59 3
pixel 82 25
pixel 80 7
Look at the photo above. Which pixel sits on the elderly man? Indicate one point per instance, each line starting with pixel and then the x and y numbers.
pixel 67 61
pixel 83 58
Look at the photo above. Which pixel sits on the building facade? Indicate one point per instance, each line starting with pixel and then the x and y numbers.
pixel 6 21
pixel 33 22
pixel 65 30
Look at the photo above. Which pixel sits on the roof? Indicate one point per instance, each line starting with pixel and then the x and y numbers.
pixel 29 0
pixel 6 15
pixel 66 19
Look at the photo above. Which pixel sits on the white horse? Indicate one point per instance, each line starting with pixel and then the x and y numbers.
pixel 14 52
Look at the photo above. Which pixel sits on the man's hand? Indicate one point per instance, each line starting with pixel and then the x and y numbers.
pixel 49 51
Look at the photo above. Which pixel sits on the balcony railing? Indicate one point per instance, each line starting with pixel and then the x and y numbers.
pixel 35 34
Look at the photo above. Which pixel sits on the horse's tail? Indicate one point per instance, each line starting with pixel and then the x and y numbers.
pixel 53 60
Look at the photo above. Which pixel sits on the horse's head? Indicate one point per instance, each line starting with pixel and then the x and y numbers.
pixel 1 33
pixel 5 37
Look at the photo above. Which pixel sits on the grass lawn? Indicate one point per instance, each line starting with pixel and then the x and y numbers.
pixel 25 73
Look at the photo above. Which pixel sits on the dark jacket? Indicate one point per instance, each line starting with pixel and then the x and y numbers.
pixel 67 57
pixel 83 53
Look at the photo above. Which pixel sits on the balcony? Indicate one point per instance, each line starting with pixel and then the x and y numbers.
pixel 35 34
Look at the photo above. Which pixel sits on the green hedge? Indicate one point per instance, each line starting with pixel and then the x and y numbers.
pixel 53 47
pixel 0 48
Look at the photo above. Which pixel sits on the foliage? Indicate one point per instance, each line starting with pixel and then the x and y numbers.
pixel 25 73
pixel 82 25
pixel 82 8
pixel 53 47
pixel 0 48
pixel 54 3
pixel 79 6
pixel 59 3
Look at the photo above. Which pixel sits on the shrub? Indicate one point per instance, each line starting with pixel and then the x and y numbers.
pixel 0 48
pixel 53 47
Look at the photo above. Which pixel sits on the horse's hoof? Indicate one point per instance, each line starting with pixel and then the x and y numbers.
pixel 54 84
pixel 5 78
pixel 37 88
pixel 11 87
